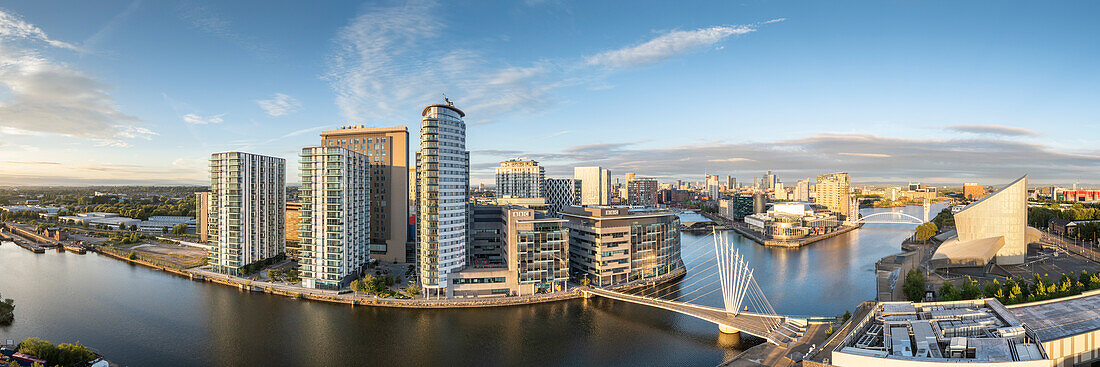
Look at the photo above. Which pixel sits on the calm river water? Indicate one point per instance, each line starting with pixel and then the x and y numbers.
pixel 140 317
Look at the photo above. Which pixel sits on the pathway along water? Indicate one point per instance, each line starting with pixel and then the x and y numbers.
pixel 140 317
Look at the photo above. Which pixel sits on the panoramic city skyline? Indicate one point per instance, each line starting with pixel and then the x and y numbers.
pixel 137 92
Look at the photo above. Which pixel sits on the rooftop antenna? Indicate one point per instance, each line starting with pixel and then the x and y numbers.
pixel 448 100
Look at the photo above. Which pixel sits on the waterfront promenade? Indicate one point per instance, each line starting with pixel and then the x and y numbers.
pixel 355 299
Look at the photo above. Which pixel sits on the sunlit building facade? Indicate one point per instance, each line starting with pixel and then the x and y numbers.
pixel 335 216
pixel 246 220
pixel 443 180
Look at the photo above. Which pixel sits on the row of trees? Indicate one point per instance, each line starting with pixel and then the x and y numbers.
pixel 1012 291
pixel 260 265
pixel 290 275
pixel 63 354
pixel 1040 216
pixel 379 286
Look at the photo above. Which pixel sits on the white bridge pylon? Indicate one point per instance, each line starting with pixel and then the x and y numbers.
pixel 740 292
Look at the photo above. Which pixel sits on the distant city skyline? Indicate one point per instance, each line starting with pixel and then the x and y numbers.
pixel 139 92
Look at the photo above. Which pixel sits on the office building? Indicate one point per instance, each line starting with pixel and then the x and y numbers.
pixel 833 192
pixel 387 149
pixel 246 220
pixel 614 245
pixel 293 229
pixel 769 180
pixel 561 193
pixel 630 177
pixel 443 182
pixel 973 191
pixel 802 190
pixel 713 187
pixel 202 215
pixel 515 251
pixel 642 192
pixel 756 183
pixel 595 185
pixel 759 202
pixel 335 215
pixel 519 179
pixel 731 183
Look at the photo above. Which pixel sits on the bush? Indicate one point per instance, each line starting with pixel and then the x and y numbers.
pixel 132 256
pixel 412 290
pixel 914 286
pixel 64 354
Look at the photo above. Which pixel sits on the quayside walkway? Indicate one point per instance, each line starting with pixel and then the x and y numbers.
pixel 745 307
pixel 773 328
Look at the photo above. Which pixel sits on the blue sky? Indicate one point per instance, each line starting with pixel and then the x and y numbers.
pixel 140 92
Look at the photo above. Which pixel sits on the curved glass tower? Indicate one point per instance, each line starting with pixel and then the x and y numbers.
pixel 443 179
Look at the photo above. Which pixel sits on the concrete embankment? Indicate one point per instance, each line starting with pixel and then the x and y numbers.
pixel 201 275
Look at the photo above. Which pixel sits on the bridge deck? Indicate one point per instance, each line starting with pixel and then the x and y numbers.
pixel 747 322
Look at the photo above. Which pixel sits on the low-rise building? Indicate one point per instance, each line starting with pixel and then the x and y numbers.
pixel 514 251
pixel 792 220
pixel 961 333
pixel 615 245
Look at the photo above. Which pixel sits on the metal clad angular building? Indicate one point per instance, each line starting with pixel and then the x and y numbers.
pixel 1003 213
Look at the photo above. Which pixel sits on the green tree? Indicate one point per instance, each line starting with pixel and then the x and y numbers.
pixel 948 292
pixel 273 274
pixel 970 289
pixel 292 275
pixel 7 311
pixel 926 231
pixel 412 290
pixel 914 285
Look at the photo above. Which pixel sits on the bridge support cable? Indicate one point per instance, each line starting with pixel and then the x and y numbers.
pixel 702 287
pixel 665 287
pixel 695 254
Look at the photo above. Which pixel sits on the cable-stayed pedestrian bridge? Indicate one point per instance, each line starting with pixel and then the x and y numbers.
pixel 745 308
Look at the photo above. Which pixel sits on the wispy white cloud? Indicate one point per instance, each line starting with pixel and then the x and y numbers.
pixel 865 155
pixel 199 120
pixel 560 133
pixel 13 27
pixel 392 59
pixel 207 20
pixel 993 130
pixel 45 96
pixel 279 105
pixel 666 46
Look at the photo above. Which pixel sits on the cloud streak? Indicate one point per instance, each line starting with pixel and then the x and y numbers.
pixel 199 120
pixel 869 158
pixel 279 105
pixel 993 130
pixel 666 46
